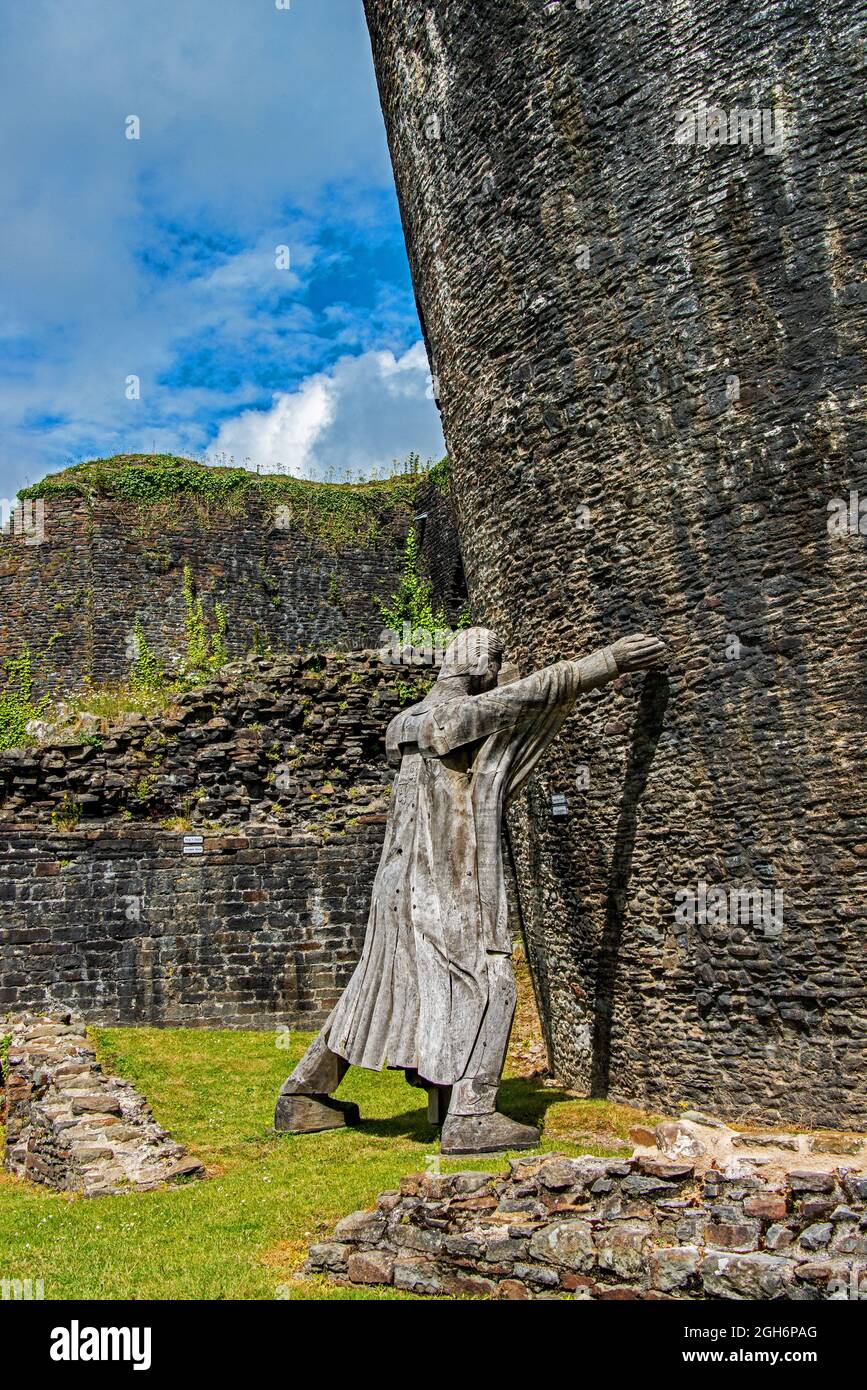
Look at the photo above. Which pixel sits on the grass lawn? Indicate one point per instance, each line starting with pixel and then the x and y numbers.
pixel 242 1232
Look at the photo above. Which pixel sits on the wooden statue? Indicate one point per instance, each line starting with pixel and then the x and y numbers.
pixel 434 990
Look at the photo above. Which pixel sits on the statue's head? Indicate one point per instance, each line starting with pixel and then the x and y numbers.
pixel 477 654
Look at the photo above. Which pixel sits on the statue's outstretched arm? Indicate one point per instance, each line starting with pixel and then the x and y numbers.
pixel 459 722
pixel 634 653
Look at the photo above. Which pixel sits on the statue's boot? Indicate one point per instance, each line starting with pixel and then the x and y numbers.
pixel 306 1114
pixel 490 1133
pixel 304 1104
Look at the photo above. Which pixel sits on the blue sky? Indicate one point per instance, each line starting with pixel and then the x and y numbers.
pixel 157 257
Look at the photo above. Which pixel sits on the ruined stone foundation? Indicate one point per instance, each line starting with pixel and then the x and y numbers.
pixel 71 1127
pixel 601 1228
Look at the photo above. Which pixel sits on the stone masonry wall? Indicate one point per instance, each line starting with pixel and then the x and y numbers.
pixel 259 930
pixel 649 358
pixel 72 1127
pixel 277 769
pixel 295 742
pixel 101 564
pixel 598 1228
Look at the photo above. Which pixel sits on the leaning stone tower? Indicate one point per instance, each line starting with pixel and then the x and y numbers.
pixel 636 246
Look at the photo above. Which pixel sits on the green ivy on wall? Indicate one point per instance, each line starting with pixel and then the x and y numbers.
pixel 336 514
pixel 146 674
pixel 412 602
pixel 17 705
pixel 206 648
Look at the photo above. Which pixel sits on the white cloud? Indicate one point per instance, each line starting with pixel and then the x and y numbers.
pixel 259 128
pixel 282 436
pixel 356 417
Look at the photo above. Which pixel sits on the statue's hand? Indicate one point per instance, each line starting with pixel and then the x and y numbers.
pixel 637 652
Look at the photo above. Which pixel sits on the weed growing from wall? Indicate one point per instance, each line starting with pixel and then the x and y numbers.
pixel 412 602
pixel 146 676
pixel 205 646
pixel 198 644
pixel 68 813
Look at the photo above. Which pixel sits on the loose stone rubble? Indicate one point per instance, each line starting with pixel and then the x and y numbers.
pixel 602 1228
pixel 715 1144
pixel 279 741
pixel 70 1126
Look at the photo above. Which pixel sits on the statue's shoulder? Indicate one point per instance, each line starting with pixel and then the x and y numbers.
pixel 407 716
pixel 403 729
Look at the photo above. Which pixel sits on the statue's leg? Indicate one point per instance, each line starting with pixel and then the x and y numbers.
pixel 437 1096
pixel 473 1123
pixel 304 1104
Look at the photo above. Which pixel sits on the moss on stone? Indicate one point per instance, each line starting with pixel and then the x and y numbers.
pixel 336 514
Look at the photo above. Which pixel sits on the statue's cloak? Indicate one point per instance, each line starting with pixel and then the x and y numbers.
pixel 419 993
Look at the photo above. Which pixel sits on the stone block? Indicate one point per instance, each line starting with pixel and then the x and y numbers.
pixel 417 1276
pixel 329 1255
pixel 371 1267
pixel 751 1139
pixel 733 1235
pixel 567 1244
pixel 513 1290
pixel 802 1180
pixel 766 1207
pixel 557 1174
pixel 678 1140
pixel 673 1267
pixel 622 1249
pixel 96 1104
pixel 747 1276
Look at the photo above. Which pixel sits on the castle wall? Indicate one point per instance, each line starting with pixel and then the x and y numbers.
pixel 277 770
pixel 80 571
pixel 261 929
pixel 294 741
pixel 648 358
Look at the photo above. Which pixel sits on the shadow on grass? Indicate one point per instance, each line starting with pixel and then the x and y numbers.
pixel 526 1099
pixel 522 1098
pixel 412 1125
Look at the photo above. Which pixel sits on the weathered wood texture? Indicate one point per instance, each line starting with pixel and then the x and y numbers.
pixel 648 360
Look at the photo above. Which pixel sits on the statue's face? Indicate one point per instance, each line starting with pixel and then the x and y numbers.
pixel 491 677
